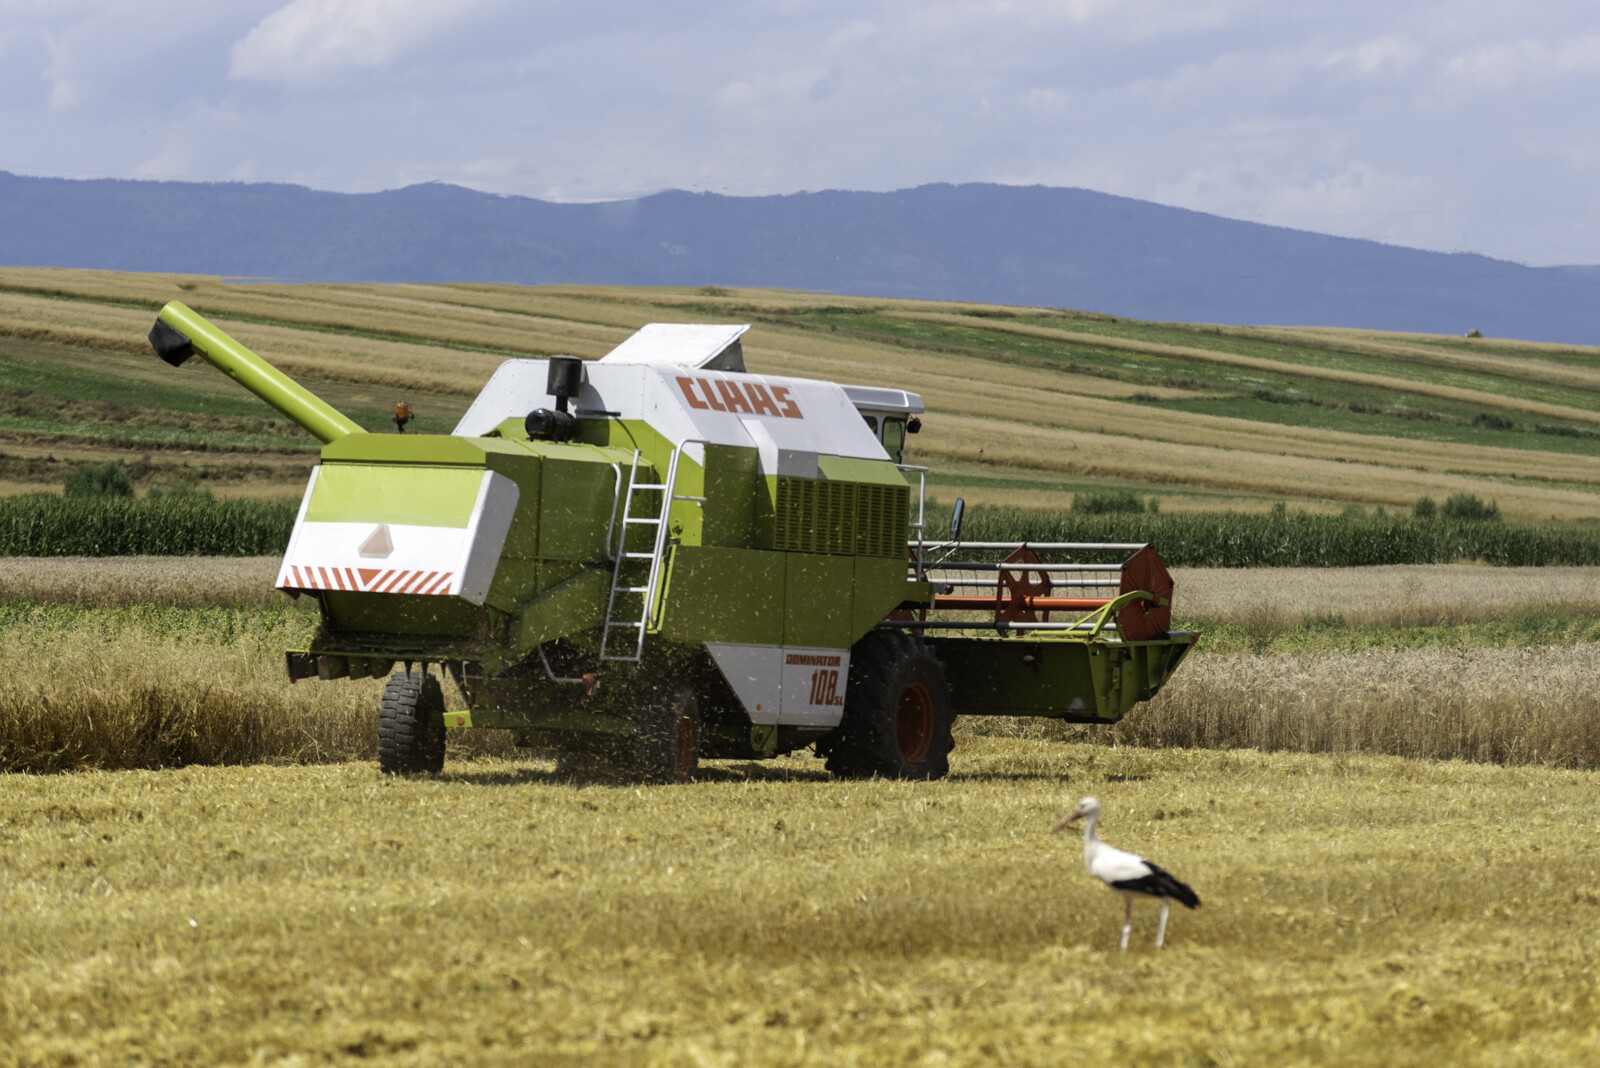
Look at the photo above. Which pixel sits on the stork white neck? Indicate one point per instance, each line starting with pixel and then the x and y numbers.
pixel 1091 841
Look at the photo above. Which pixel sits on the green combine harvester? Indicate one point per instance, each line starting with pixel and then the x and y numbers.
pixel 658 556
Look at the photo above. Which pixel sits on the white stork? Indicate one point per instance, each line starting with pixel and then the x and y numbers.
pixel 1126 873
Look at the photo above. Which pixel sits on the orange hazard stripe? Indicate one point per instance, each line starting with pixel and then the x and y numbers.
pixel 367 580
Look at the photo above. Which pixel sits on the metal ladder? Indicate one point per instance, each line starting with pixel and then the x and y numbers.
pixel 633 560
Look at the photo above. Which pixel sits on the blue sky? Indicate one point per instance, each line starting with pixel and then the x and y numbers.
pixel 1460 126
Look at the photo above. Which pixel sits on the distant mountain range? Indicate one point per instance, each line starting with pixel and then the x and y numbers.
pixel 1035 245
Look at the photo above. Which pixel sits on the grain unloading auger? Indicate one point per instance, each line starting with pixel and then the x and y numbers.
pixel 659 556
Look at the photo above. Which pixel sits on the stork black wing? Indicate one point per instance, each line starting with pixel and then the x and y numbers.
pixel 1160 883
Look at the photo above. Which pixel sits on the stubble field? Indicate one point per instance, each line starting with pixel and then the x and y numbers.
pixel 298 908
pixel 1356 910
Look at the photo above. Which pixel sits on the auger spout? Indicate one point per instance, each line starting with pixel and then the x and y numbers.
pixel 180 332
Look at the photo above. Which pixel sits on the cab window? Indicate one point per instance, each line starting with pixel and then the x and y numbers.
pixel 894 438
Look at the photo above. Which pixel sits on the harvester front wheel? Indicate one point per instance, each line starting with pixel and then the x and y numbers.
pixel 411 724
pixel 667 745
pixel 897 712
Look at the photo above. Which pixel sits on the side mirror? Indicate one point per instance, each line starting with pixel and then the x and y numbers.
pixel 955 518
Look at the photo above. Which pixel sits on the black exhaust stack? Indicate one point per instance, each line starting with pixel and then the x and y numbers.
pixel 563 382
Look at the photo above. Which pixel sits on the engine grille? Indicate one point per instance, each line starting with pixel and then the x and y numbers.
pixel 844 518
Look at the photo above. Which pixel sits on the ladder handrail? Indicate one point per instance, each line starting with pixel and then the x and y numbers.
pixel 616 494
pixel 621 558
pixel 920 524
pixel 668 496
pixel 650 590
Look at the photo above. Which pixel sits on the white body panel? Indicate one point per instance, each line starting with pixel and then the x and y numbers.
pixel 886 401
pixel 659 375
pixel 785 684
pixel 403 558
pixel 678 344
pixel 777 415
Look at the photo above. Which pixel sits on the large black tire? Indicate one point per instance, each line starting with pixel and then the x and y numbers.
pixel 897 712
pixel 666 747
pixel 411 724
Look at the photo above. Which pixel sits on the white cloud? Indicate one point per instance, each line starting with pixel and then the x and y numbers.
pixel 310 41
pixel 853 33
pixel 776 88
pixel 1503 65
pixel 1356 200
pixel 1360 118
pixel 1119 19
pixel 1380 55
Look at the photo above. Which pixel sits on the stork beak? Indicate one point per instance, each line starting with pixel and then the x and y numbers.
pixel 1072 816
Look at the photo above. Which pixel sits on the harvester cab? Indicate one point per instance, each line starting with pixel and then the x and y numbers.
pixel 658 555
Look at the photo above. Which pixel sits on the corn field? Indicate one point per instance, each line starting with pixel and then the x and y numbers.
pixel 1296 539
pixel 45 525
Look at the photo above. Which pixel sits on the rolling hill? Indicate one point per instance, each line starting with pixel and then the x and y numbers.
pixel 1027 406
pixel 1034 246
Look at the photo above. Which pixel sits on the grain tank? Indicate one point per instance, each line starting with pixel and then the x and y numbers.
pixel 660 556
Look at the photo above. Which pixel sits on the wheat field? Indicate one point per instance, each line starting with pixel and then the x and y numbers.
pixel 130 663
pixel 1374 596
pixel 160 581
pixel 1393 596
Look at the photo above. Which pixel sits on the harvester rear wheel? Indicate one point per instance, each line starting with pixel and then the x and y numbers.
pixel 667 745
pixel 411 724
pixel 897 712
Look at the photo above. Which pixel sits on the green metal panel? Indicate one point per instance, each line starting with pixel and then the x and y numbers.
pixel 387 613
pixel 880 586
pixel 817 602
pixel 576 495
pixel 394 493
pixel 434 449
pixel 623 434
pixel 516 581
pixel 733 483
pixel 570 607
pixel 852 469
pixel 1061 678
pixel 526 470
pixel 724 595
